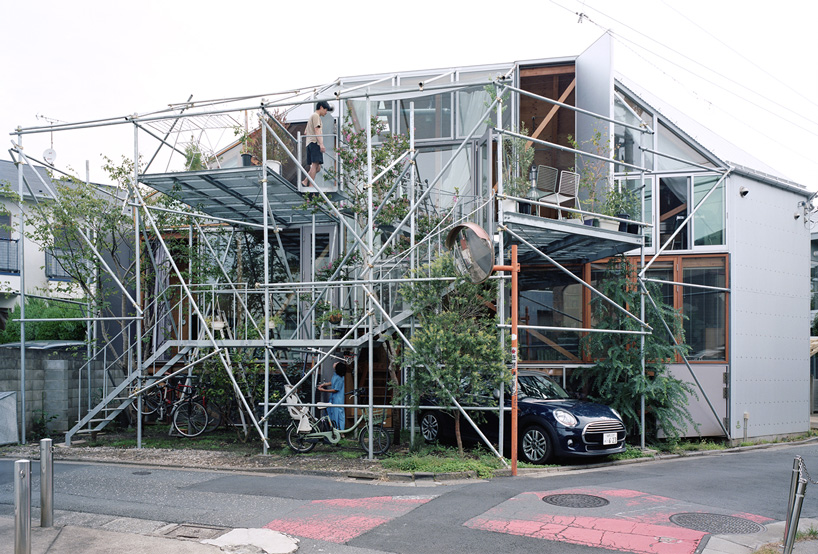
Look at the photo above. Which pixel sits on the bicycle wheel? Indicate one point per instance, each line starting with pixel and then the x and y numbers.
pixel 150 401
pixel 214 417
pixel 190 419
pixel 380 439
pixel 297 442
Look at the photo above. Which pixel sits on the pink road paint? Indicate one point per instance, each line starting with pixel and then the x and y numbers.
pixel 633 521
pixel 615 534
pixel 340 520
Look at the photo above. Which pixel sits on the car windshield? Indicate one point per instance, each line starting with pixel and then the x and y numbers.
pixel 539 386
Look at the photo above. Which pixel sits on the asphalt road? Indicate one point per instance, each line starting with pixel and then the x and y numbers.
pixel 501 515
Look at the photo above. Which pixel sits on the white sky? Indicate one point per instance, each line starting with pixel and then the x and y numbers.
pixel 81 60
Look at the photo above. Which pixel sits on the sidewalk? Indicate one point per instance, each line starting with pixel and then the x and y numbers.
pixel 773 534
pixel 75 532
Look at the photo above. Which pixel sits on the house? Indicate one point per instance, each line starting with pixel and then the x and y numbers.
pixel 724 236
pixel 57 380
pixel 42 272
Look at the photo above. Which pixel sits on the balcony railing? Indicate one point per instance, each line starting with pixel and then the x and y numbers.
pixel 53 269
pixel 9 256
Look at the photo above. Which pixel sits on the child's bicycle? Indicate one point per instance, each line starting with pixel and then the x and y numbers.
pixel 306 431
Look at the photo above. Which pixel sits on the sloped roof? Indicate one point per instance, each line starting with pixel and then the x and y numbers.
pixel 720 148
pixel 8 174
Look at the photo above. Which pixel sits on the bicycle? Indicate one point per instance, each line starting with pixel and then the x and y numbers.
pixel 181 403
pixel 306 431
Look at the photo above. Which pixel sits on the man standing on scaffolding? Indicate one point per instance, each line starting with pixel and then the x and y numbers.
pixel 315 141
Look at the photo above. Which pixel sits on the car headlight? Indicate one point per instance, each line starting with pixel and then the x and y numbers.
pixel 617 414
pixel 566 418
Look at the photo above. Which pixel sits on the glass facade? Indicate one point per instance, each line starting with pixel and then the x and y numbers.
pixel 433 112
pixel 552 298
pixel 549 297
pixel 705 310
pixel 709 220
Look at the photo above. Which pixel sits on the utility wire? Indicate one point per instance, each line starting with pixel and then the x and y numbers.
pixel 583 16
pixel 740 55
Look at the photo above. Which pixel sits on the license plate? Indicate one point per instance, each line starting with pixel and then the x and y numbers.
pixel 609 438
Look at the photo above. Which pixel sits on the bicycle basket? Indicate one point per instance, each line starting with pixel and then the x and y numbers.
pixel 378 415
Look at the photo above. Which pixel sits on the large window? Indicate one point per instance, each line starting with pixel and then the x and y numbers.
pixel 433 112
pixel 705 309
pixel 673 210
pixel 627 140
pixel 709 220
pixel 550 298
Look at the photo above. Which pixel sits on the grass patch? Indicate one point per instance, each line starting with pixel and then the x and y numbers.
pixel 810 534
pixel 680 447
pixel 440 459
pixel 631 452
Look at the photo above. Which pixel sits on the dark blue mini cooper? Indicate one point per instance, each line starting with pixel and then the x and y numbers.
pixel 550 422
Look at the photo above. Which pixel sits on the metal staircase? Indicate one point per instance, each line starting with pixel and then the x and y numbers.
pixel 119 399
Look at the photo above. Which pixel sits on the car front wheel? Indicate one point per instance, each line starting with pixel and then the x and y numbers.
pixel 430 427
pixel 535 445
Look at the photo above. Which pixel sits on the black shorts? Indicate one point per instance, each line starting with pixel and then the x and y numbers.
pixel 314 155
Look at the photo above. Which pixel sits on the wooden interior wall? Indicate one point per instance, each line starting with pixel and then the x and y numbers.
pixel 551 82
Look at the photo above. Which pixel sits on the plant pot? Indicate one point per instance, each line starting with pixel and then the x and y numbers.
pixel 335 319
pixel 623 227
pixel 608 225
pixel 246 159
pixel 592 222
pixel 509 206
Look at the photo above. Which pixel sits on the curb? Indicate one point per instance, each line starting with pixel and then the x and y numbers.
pixel 427 477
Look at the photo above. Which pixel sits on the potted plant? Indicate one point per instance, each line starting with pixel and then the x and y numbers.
pixel 335 316
pixel 622 203
pixel 518 160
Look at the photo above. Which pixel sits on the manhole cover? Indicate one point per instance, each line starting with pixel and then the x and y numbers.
pixel 716 524
pixel 576 500
pixel 141 472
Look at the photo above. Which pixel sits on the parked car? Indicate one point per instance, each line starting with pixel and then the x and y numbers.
pixel 550 423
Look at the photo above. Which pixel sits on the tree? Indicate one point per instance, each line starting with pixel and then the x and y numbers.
pixel 616 379
pixel 456 339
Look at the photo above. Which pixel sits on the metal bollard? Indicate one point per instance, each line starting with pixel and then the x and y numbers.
pixel 46 484
pixel 22 507
pixel 789 538
pixel 796 474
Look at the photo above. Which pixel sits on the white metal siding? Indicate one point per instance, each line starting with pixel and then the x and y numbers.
pixel 769 310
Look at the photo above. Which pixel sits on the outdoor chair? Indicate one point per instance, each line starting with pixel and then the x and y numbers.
pixel 568 190
pixel 547 180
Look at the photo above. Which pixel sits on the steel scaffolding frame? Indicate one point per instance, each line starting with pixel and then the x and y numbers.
pixel 377 318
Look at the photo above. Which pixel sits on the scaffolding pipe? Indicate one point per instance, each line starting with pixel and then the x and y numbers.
pixel 22 261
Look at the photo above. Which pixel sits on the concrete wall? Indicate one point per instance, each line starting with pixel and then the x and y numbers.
pixel 769 311
pixel 52 385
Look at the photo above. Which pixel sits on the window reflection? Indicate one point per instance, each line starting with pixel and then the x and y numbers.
pixel 673 209
pixel 709 220
pixel 705 309
pixel 550 298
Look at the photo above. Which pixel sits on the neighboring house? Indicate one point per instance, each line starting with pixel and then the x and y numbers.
pixel 42 271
